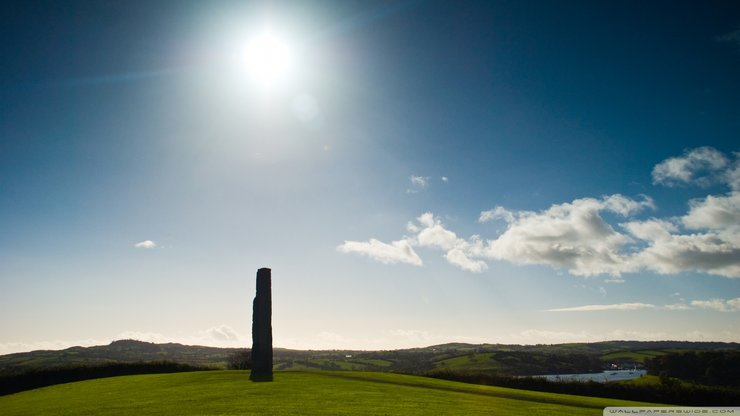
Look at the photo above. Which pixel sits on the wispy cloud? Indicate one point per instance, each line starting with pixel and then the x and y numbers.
pixel 419 181
pixel 222 333
pixel 396 252
pixel 577 237
pixel 732 37
pixel 146 244
pixel 721 305
pixel 545 336
pixel 612 307
pixel 677 307
pixel 697 166
pixel 497 213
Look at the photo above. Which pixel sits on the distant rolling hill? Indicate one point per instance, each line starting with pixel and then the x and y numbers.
pixel 117 351
pixel 504 359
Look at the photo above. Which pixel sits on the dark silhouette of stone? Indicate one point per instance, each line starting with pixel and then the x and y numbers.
pixel 262 328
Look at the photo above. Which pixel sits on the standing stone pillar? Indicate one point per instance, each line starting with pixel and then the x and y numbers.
pixel 262 328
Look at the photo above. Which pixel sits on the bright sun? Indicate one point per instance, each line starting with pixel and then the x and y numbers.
pixel 266 59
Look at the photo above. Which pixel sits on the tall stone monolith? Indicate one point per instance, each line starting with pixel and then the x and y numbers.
pixel 262 327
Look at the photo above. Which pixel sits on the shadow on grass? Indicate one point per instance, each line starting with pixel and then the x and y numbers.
pixel 260 376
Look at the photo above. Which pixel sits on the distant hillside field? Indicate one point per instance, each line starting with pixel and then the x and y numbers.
pixel 319 392
pixel 489 358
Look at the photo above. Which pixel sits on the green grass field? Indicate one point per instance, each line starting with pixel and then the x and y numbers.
pixel 636 356
pixel 478 362
pixel 336 393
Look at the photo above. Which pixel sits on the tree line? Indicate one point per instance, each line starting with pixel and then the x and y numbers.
pixel 717 368
pixel 32 379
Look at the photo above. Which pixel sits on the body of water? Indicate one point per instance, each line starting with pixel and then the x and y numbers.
pixel 613 375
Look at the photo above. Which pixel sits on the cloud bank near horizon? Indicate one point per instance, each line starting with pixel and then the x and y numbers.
pixel 718 305
pixel 219 336
pixel 576 236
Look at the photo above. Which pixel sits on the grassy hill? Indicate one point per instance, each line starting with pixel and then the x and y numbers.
pixel 318 392
pixel 638 356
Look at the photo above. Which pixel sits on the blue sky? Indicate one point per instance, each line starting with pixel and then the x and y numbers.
pixel 414 172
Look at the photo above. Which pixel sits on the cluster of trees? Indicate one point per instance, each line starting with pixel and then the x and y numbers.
pixel 535 363
pixel 239 360
pixel 421 361
pixel 32 379
pixel 705 367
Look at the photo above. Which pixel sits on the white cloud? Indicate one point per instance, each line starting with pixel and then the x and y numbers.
pixel 498 212
pixel 418 183
pixel 698 166
pixel 396 252
pixel 713 245
pixel 721 305
pixel 220 336
pixel 143 336
pixel 458 258
pixel 415 334
pixel 572 235
pixel 624 206
pixel 651 230
pixel 222 333
pixel 714 252
pixel 732 175
pixel 434 234
pixel 713 212
pixel 458 252
pixel 677 307
pixel 612 307
pixel 445 179
pixel 146 244
pixel 540 336
pixel 577 237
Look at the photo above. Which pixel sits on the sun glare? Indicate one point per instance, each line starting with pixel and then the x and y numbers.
pixel 266 59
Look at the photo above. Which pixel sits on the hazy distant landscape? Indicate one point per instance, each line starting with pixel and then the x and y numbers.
pixel 496 359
